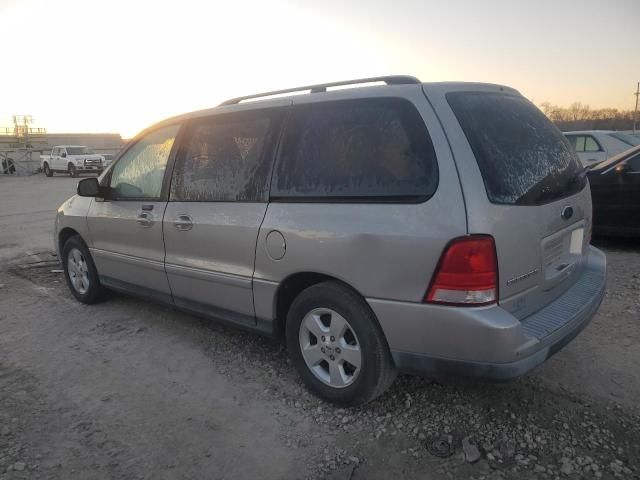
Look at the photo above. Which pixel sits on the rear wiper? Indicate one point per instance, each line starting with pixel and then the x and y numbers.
pixel 540 192
pixel 578 178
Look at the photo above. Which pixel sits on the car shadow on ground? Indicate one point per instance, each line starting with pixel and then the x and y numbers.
pixel 623 244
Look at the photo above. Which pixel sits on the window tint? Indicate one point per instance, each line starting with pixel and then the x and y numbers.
pixel 523 158
pixel 580 142
pixel 140 171
pixel 634 164
pixel 227 158
pixel 590 145
pixel 602 166
pixel 369 149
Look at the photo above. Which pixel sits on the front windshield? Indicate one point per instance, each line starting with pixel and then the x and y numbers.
pixel 79 151
pixel 628 139
pixel 617 158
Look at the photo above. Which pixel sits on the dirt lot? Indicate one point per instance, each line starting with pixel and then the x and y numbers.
pixel 129 389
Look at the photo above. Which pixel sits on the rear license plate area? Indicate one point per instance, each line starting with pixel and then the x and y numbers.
pixel 561 252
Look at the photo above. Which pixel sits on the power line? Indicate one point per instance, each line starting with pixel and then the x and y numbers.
pixel 635 112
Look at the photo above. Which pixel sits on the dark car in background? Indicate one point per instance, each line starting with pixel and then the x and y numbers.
pixel 615 192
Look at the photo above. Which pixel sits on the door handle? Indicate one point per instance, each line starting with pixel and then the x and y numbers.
pixel 183 222
pixel 145 219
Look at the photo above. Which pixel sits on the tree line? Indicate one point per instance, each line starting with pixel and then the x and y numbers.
pixel 579 116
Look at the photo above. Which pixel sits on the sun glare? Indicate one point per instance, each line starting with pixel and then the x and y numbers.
pixel 119 66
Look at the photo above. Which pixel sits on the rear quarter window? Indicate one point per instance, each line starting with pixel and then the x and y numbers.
pixel 523 158
pixel 364 150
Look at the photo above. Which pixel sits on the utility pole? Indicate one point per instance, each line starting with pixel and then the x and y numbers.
pixel 635 112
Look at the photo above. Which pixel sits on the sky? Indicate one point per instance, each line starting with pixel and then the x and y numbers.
pixel 121 65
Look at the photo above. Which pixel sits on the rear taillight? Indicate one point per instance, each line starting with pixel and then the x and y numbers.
pixel 467 273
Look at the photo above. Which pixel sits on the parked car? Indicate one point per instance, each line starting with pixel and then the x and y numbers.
pixel 615 188
pixel 71 159
pixel 108 158
pixel 633 133
pixel 429 228
pixel 593 146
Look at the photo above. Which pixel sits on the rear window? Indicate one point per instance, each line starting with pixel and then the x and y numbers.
pixel 523 158
pixel 628 139
pixel 356 151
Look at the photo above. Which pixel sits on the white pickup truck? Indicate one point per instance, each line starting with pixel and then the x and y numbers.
pixel 72 160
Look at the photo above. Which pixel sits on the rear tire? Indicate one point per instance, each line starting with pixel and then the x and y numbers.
pixel 80 272
pixel 47 170
pixel 73 171
pixel 334 326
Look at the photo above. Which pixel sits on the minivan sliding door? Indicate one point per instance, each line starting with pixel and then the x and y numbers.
pixel 218 199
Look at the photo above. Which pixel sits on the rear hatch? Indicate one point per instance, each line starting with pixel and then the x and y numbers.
pixel 524 185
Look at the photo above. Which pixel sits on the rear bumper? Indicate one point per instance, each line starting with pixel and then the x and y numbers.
pixel 489 342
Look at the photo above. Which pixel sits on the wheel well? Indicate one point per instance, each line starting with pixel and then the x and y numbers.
pixel 64 235
pixel 290 288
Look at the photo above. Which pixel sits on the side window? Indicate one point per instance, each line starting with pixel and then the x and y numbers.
pixel 580 143
pixel 634 164
pixel 367 149
pixel 227 158
pixel 54 152
pixel 572 140
pixel 140 171
pixel 590 144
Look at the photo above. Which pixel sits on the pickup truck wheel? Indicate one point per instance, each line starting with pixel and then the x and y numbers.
pixel 80 272
pixel 337 345
pixel 47 171
pixel 73 171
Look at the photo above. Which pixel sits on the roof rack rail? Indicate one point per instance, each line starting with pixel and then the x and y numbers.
pixel 322 87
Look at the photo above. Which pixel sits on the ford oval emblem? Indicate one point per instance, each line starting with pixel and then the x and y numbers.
pixel 567 213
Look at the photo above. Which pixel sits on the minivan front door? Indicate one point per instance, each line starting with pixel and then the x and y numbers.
pixel 126 226
pixel 218 199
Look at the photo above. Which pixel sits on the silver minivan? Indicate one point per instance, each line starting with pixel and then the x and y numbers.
pixel 434 228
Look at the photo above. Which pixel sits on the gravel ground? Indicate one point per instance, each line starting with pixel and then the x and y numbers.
pixel 130 389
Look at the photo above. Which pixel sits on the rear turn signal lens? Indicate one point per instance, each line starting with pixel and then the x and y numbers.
pixel 467 273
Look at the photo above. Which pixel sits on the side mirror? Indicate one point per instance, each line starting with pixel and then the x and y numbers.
pixel 88 187
pixel 63 154
pixel 623 168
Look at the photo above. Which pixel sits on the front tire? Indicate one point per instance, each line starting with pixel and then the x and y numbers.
pixel 47 170
pixel 337 345
pixel 80 272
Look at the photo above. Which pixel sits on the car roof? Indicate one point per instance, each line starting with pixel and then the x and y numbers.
pixel 284 98
pixel 589 132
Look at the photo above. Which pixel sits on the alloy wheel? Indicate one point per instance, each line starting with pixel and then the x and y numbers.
pixel 78 271
pixel 330 347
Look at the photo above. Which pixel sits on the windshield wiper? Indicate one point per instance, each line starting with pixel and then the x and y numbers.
pixel 543 190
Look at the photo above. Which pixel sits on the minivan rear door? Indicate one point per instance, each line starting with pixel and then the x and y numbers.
pixel 523 184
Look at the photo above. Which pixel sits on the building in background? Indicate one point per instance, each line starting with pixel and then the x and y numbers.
pixel 99 142
pixel 21 145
